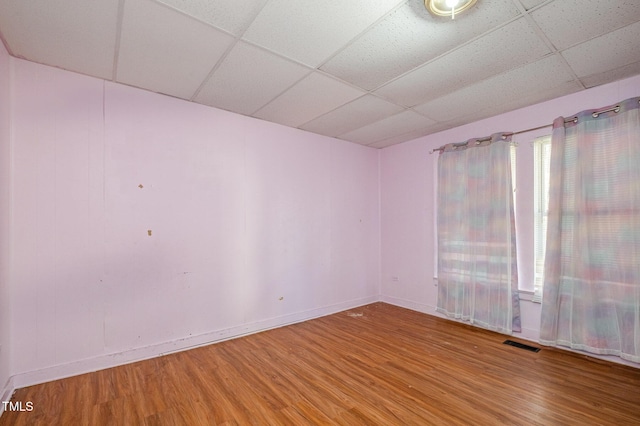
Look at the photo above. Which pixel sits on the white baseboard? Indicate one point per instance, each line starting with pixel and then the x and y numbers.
pixel 410 304
pixel 101 362
pixel 526 334
pixel 60 371
pixel 7 393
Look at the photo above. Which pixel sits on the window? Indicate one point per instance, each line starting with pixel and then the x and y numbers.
pixel 513 170
pixel 542 157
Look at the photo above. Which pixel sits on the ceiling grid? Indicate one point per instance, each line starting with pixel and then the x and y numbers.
pixel 373 73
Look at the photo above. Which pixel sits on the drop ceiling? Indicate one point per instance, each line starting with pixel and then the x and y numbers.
pixel 376 73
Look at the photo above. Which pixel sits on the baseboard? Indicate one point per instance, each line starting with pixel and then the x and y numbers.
pixel 7 393
pixel 526 334
pixel 101 362
pixel 608 358
pixel 410 304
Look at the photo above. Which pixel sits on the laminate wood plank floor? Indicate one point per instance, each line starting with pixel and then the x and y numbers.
pixel 374 365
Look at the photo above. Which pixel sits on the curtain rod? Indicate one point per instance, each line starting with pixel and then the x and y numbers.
pixel 595 114
pixel 567 120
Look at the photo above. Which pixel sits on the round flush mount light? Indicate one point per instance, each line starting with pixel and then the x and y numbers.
pixel 448 7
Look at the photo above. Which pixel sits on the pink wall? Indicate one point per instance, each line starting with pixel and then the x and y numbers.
pixel 407 198
pixel 5 164
pixel 254 225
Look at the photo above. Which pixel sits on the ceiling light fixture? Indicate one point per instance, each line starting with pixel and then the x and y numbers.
pixel 448 7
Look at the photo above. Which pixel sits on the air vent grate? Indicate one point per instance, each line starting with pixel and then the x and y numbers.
pixel 521 346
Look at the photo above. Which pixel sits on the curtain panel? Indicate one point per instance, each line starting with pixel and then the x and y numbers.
pixel 591 293
pixel 477 270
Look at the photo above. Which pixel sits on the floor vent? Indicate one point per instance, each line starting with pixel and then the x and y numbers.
pixel 521 346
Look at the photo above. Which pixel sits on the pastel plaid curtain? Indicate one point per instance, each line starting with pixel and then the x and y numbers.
pixel 477 271
pixel 591 294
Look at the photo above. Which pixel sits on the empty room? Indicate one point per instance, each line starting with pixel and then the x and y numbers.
pixel 290 212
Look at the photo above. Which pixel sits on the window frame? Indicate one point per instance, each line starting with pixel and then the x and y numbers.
pixel 541 166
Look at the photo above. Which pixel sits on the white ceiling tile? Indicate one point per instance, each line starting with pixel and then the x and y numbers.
pixel 544 93
pixel 353 115
pixel 607 52
pixel 248 78
pixel 392 126
pixel 404 137
pixel 312 97
pixel 40 31
pixel 530 4
pixel 454 72
pixel 309 31
pixel 233 16
pixel 410 36
pixel 386 143
pixel 508 47
pixel 479 114
pixel 549 72
pixel 569 22
pixel 166 52
pixel 612 75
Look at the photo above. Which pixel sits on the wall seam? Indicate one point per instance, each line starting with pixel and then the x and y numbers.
pixel 10 236
pixel 380 224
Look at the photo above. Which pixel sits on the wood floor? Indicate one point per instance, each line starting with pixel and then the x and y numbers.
pixel 375 365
